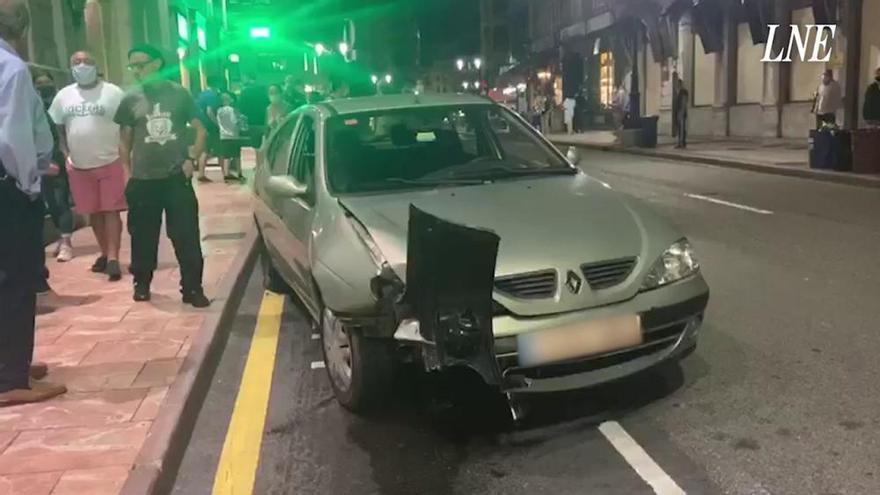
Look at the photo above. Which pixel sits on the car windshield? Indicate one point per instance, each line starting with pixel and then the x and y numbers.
pixel 433 146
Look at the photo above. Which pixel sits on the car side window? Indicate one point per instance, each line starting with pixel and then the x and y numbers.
pixel 302 163
pixel 279 150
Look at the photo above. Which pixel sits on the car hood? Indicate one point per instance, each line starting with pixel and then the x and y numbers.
pixel 556 223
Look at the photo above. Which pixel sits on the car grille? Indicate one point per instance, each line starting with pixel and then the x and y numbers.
pixel 535 285
pixel 606 274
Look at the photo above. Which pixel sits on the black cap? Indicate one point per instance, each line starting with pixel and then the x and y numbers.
pixel 149 50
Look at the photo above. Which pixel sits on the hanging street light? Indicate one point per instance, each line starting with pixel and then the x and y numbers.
pixel 388 78
pixel 478 62
pixel 320 49
pixel 460 64
pixel 343 48
pixel 374 78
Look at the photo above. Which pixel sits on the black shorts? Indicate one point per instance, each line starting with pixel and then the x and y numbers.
pixel 229 148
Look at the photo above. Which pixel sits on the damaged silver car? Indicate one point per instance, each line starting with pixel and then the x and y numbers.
pixel 443 230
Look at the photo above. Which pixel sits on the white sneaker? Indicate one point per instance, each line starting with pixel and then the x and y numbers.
pixel 65 253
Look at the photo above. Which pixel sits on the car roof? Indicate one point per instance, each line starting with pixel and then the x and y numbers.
pixel 401 101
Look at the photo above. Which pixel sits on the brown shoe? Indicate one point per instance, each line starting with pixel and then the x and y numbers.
pixel 39 370
pixel 38 392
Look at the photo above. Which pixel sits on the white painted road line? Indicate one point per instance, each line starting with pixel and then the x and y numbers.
pixel 728 203
pixel 317 365
pixel 315 336
pixel 640 461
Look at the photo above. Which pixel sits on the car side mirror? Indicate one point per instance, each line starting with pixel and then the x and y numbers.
pixel 282 186
pixel 573 155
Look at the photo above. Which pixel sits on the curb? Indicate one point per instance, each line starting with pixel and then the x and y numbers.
pixel 162 451
pixel 803 173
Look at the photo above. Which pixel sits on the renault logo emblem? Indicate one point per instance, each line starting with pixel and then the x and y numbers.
pixel 573 282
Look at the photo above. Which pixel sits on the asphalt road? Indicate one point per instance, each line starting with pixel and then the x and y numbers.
pixel 780 397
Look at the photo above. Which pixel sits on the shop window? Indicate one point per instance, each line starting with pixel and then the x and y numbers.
pixel 750 69
pixel 704 75
pixel 606 79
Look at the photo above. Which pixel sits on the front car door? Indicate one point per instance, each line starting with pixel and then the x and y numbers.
pixel 268 210
pixel 298 213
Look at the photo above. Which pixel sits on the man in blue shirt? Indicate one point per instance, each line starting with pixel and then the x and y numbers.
pixel 25 150
pixel 208 102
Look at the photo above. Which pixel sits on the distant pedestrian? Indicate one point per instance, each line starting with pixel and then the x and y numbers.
pixel 208 102
pixel 568 106
pixel 83 112
pixel 25 151
pixel 676 87
pixel 278 107
pixel 230 121
pixel 55 187
pixel 829 100
pixel 154 118
pixel 293 92
pixel 683 100
pixel 252 103
pixel 871 107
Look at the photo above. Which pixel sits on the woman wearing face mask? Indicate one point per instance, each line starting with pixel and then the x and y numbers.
pixel 55 189
pixel 278 108
pixel 89 139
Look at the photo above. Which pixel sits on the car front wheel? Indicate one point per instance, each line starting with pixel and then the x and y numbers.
pixel 360 368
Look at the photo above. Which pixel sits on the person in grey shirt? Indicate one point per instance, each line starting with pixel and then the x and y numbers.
pixel 25 151
pixel 155 150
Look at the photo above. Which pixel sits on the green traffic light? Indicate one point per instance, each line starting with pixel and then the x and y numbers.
pixel 260 32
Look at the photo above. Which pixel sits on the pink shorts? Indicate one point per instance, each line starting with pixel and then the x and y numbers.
pixel 98 190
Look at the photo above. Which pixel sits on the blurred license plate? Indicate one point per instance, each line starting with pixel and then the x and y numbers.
pixel 576 340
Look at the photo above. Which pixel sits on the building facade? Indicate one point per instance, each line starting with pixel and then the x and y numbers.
pixel 716 47
pixel 188 31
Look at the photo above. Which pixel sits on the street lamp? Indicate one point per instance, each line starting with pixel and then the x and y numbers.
pixel 460 64
pixel 320 49
pixel 343 48
pixel 465 85
pixel 478 62
pixel 476 84
pixel 233 58
pixel 388 78
pixel 374 78
pixel 181 52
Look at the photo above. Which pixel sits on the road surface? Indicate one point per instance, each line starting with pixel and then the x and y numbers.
pixel 781 396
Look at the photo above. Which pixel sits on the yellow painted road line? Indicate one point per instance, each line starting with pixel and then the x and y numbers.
pixel 241 450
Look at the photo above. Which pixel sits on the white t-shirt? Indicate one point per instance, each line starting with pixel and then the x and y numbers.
pixel 228 121
pixel 87 115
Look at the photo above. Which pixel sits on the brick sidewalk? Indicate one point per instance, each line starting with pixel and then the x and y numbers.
pixel 116 357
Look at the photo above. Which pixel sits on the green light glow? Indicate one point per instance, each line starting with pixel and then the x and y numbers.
pixel 200 35
pixel 260 32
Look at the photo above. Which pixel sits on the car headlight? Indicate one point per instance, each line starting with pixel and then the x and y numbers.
pixel 676 263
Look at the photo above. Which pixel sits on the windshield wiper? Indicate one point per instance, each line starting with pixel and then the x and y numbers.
pixel 495 171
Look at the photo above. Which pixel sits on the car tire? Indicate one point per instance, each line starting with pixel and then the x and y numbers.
pixel 371 366
pixel 272 280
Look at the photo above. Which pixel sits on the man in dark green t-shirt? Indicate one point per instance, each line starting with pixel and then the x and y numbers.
pixel 156 155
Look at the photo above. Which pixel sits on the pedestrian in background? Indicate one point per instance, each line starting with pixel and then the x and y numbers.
pixel 292 92
pixel 153 119
pixel 871 107
pixel 568 114
pixel 208 102
pixel 829 100
pixel 278 107
pixel 55 187
pixel 683 100
pixel 89 139
pixel 230 121
pixel 25 151
pixel 676 87
pixel 252 103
